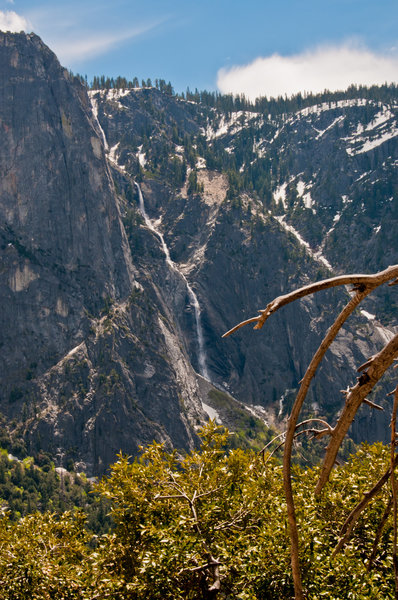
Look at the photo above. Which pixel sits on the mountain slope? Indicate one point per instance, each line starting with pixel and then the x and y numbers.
pixel 105 307
pixel 85 334
pixel 259 226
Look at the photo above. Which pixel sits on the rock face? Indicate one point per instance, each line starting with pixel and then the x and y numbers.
pixel 240 250
pixel 82 339
pixel 99 346
pixel 61 239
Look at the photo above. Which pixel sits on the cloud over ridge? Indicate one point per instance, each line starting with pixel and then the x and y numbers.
pixel 85 46
pixel 326 67
pixel 11 21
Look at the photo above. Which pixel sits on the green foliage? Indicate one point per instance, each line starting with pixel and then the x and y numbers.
pixel 178 519
pixel 248 431
pixel 210 524
pixel 34 485
pixel 42 558
pixel 193 185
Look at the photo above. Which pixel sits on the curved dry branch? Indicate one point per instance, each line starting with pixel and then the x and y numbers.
pixel 375 369
pixel 394 487
pixel 376 366
pixel 316 433
pixel 315 419
pixel 301 395
pixel 358 281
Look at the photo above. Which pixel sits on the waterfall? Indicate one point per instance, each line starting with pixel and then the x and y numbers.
pixel 193 299
pixel 94 105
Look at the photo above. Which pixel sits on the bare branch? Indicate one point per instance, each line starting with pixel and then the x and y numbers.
pixel 372 404
pixel 394 488
pixel 242 324
pixel 212 491
pixel 179 497
pixel 302 393
pixel 372 371
pixel 356 395
pixel 359 282
pixel 200 568
pixel 228 524
pixel 317 433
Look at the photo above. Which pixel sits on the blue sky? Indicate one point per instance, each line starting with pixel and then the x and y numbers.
pixel 255 46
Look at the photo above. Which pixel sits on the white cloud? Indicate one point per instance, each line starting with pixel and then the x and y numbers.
pixel 10 21
pixel 327 67
pixel 72 48
pixel 80 34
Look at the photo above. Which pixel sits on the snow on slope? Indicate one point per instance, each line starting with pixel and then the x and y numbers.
pixel 316 255
pixel 230 126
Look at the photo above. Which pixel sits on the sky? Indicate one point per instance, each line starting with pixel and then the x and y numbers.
pixel 254 47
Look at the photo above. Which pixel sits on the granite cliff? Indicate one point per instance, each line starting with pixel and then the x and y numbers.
pixel 85 334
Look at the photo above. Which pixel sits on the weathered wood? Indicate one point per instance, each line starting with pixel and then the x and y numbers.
pixel 372 370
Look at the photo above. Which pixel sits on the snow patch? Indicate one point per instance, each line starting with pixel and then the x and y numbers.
pixel 300 188
pixel 371 144
pixel 337 120
pixel 280 194
pixel 294 232
pixel 235 123
pixel 212 414
pixel 382 128
pixel 306 197
pixel 379 119
pixel 318 109
pixel 367 315
pixel 316 255
pixel 308 201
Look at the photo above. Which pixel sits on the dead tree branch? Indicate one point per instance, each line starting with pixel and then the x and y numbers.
pixel 317 433
pixel 292 422
pixel 375 369
pixel 394 487
pixel 358 281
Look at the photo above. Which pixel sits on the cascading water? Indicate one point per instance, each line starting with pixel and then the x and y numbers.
pixel 192 296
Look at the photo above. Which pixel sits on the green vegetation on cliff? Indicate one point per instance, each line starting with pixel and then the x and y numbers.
pixel 210 524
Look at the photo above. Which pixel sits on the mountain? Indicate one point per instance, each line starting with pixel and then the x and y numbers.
pixel 115 303
pixel 84 332
pixel 295 197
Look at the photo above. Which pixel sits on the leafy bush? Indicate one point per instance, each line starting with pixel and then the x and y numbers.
pixel 210 524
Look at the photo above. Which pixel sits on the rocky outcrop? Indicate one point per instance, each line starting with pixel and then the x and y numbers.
pixel 63 248
pixel 85 334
